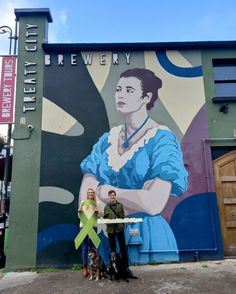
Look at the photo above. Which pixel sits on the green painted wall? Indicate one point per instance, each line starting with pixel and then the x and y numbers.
pixel 221 125
pixel 27 147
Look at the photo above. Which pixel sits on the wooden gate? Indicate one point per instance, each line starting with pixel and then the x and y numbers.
pixel 225 176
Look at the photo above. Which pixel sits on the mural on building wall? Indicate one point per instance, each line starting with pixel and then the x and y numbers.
pixel 134 122
pixel 142 161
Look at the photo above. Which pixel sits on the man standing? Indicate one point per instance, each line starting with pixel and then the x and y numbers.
pixel 113 210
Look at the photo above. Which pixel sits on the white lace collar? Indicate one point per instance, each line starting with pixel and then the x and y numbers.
pixel 117 161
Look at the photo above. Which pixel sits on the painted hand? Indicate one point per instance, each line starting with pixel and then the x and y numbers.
pixel 102 192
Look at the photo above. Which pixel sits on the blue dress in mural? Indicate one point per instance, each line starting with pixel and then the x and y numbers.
pixel 156 155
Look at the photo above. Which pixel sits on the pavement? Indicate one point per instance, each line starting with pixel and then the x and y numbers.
pixel 196 277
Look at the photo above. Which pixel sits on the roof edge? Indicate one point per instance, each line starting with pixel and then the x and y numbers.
pixel 49 47
pixel 33 11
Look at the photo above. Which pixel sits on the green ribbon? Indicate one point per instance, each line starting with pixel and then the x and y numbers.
pixel 87 228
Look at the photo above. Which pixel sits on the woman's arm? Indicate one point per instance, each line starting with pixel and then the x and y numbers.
pixel 151 199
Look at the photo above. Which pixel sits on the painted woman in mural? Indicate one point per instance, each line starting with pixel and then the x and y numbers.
pixel 142 161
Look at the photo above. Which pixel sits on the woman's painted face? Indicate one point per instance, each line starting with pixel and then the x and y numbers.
pixel 129 95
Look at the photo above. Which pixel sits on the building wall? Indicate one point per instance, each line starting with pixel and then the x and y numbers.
pixel 78 108
pixel 222 141
pixel 221 125
pixel 78 127
pixel 27 146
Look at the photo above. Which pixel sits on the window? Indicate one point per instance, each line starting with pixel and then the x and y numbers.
pixel 224 71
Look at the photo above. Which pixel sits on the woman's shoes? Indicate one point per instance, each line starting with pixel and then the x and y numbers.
pixel 85 271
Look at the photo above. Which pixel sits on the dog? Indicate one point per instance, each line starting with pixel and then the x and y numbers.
pixel 118 271
pixel 98 268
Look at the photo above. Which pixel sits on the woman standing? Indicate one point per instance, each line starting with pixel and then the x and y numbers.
pixel 89 210
pixel 142 161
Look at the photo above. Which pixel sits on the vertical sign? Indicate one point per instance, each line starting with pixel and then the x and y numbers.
pixel 7 89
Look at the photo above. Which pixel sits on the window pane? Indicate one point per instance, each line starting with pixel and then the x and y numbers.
pixel 222 73
pixel 225 90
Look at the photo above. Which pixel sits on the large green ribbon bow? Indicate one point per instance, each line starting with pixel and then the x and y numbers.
pixel 87 228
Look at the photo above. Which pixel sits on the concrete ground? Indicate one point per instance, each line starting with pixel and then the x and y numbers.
pixel 198 277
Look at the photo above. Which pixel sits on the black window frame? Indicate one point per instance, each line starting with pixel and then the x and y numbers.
pixel 221 62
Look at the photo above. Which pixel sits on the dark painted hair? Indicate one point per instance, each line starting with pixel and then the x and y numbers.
pixel 149 82
pixel 111 192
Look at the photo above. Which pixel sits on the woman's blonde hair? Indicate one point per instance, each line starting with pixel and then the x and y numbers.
pixel 94 195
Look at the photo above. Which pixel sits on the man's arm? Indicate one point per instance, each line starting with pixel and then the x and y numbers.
pixel 122 211
pixel 105 215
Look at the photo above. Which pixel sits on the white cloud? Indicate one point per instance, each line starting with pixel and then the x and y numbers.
pixel 58 30
pixel 52 35
pixel 7 17
pixel 63 17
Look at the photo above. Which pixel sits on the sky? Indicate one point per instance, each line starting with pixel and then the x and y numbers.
pixel 113 21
